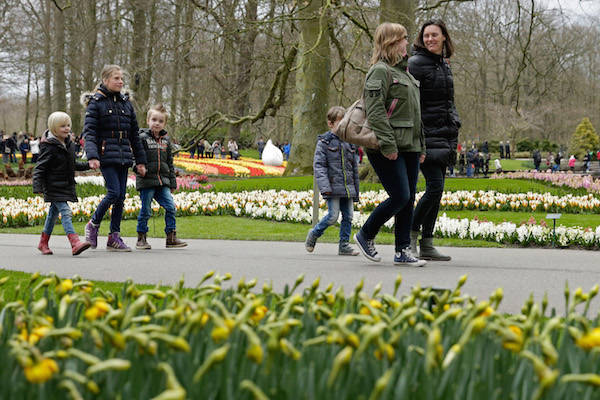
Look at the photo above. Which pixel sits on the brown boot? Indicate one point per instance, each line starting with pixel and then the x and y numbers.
pixel 172 240
pixel 77 246
pixel 43 245
pixel 142 244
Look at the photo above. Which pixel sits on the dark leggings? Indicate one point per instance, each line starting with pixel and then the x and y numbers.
pixel 399 179
pixel 428 207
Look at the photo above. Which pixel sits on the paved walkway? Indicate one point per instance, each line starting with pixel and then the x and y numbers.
pixel 518 271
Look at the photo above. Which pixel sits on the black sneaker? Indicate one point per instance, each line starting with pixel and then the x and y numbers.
pixel 367 247
pixel 310 242
pixel 405 257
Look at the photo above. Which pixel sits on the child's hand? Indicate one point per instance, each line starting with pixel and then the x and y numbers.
pixel 94 163
pixel 141 169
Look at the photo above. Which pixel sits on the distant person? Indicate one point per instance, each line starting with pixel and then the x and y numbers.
pixel 336 173
pixel 557 160
pixel 24 148
pixel 401 149
pixel 550 161
pixel 572 163
pixel 462 162
pixel 34 144
pixel 501 148
pixel 485 147
pixel 587 159
pixel 598 157
pixel 497 166
pixel 537 159
pixel 159 181
pixel 216 149
pixel 260 145
pixel 286 150
pixel 193 147
pixel 486 164
pixel 54 177
pixel 200 148
pixel 507 149
pixel 208 150
pixel 232 147
pixel 10 145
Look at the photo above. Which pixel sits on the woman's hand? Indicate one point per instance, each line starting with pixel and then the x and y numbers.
pixel 392 157
pixel 94 163
pixel 421 158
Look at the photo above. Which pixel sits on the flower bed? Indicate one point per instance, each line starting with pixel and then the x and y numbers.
pixel 296 207
pixel 62 338
pixel 567 179
pixel 243 167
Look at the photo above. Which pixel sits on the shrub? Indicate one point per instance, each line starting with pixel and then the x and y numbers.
pixel 584 139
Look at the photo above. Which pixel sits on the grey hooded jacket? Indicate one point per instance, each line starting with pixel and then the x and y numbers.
pixel 335 167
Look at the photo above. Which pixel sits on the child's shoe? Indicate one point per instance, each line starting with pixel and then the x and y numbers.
pixel 142 244
pixel 172 240
pixel 115 243
pixel 77 246
pixel 346 250
pixel 91 234
pixel 43 245
pixel 405 257
pixel 310 242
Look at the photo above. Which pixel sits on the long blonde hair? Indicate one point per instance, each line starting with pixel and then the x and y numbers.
pixel 105 74
pixel 386 35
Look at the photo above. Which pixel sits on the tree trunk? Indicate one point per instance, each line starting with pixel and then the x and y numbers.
pixel 175 76
pixel 244 67
pixel 312 88
pixel 187 64
pixel 138 66
pixel 28 94
pixel 89 47
pixel 47 4
pixel 76 66
pixel 60 84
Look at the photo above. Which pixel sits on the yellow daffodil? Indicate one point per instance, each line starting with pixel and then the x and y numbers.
pixel 589 340
pixel 41 371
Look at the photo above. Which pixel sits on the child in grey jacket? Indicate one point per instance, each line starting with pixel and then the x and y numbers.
pixel 336 172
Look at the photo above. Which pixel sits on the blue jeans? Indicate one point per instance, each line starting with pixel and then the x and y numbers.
pixel 334 206
pixel 428 207
pixel 116 187
pixel 399 179
pixel 62 208
pixel 162 194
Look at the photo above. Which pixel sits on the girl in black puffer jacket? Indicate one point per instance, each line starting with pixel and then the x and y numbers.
pixel 111 142
pixel 440 125
pixel 54 176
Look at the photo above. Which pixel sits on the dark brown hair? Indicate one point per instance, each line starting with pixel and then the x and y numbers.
pixel 335 113
pixel 448 46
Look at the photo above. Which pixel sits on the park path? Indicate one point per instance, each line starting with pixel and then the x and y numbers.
pixel 518 271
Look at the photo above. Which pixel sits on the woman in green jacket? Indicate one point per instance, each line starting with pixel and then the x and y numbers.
pixel 393 109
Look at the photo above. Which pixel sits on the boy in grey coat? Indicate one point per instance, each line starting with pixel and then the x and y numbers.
pixel 336 171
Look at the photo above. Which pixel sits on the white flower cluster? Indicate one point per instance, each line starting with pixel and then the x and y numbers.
pixel 296 206
pixel 99 180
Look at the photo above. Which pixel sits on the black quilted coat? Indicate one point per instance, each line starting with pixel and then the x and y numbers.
pixel 438 113
pixel 111 130
pixel 159 167
pixel 54 173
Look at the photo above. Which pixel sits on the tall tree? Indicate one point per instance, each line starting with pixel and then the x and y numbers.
pixel 58 58
pixel 312 86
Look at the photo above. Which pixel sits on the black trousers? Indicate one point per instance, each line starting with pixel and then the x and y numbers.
pixel 428 207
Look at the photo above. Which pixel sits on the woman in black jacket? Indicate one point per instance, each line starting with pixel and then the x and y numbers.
pixel 440 122
pixel 111 143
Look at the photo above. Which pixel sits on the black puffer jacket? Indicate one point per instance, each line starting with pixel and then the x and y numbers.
pixel 159 166
pixel 335 167
pixel 438 113
pixel 111 130
pixel 54 173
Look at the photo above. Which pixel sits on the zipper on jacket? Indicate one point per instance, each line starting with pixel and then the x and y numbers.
pixel 118 129
pixel 344 170
pixel 158 151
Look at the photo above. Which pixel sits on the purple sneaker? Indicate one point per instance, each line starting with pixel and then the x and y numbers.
pixel 115 243
pixel 91 234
